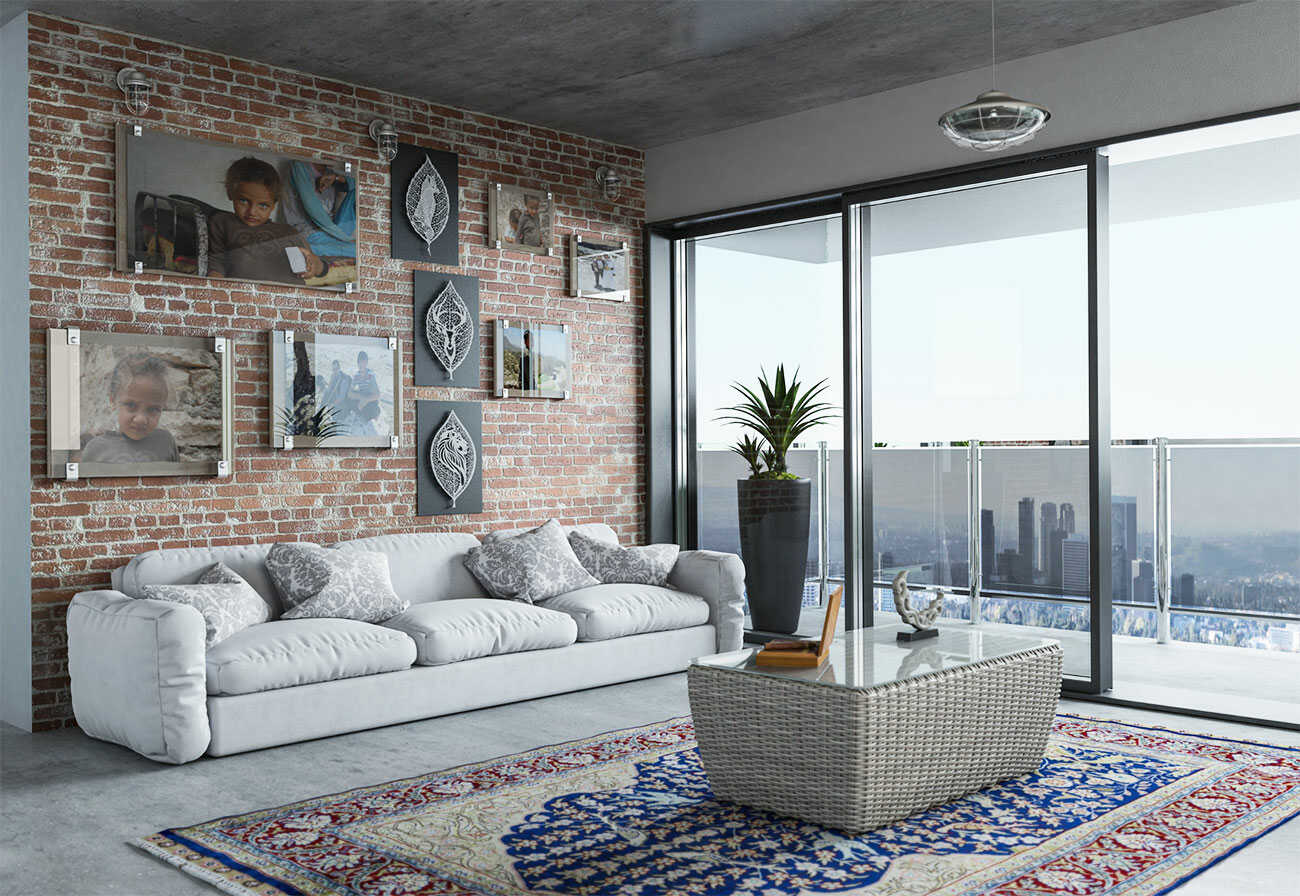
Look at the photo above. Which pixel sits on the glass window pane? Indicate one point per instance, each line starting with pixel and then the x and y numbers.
pixel 762 298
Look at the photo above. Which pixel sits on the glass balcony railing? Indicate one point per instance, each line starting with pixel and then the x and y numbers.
pixel 1205 534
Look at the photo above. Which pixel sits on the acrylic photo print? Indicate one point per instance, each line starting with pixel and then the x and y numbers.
pixel 332 390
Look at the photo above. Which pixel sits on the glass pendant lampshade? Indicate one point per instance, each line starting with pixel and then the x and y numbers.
pixel 994 120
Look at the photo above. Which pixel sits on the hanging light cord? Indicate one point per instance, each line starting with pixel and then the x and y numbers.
pixel 993 40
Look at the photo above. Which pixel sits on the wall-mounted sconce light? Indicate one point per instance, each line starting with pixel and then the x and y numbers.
pixel 136 88
pixel 385 137
pixel 610 182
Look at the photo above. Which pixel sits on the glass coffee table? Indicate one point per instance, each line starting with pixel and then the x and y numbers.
pixel 879 731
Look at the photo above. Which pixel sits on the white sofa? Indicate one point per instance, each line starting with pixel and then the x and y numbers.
pixel 141 676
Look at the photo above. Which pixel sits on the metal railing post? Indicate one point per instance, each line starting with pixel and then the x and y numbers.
pixel 823 519
pixel 975 553
pixel 1164 550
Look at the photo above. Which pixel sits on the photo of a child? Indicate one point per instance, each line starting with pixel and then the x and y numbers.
pixel 520 218
pixel 149 405
pixel 216 210
pixel 246 242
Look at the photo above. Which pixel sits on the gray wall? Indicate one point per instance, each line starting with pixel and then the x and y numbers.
pixel 15 386
pixel 1234 60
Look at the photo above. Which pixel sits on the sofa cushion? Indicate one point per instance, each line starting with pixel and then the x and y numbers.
pixel 292 652
pixel 424 566
pixel 318 582
pixel 614 611
pixel 184 566
pixel 227 603
pixel 529 567
pixel 448 631
pixel 612 564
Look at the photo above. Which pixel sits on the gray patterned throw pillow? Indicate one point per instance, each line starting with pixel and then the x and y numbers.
pixel 317 582
pixel 529 567
pixel 649 565
pixel 227 603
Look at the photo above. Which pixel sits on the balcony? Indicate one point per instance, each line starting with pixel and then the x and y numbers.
pixel 1205 553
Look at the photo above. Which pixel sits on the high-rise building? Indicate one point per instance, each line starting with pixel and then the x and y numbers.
pixel 1144 586
pixel 886 560
pixel 1123 546
pixel 1074 564
pixel 1009 566
pixel 1067 518
pixel 1055 575
pixel 1187 590
pixel 1046 526
pixel 988 549
pixel 1026 541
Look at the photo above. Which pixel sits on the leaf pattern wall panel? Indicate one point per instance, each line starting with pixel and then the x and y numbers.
pixel 447 324
pixel 448 457
pixel 425 205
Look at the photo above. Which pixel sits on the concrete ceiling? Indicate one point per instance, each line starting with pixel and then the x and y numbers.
pixel 636 72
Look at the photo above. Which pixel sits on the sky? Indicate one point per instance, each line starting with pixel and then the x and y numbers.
pixel 988 339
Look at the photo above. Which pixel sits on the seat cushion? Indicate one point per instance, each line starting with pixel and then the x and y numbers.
pixel 290 652
pixel 447 631
pixel 614 611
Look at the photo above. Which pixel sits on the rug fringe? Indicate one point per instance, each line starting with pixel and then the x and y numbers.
pixel 208 877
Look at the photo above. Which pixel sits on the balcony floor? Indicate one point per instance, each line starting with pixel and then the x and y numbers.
pixel 1231 681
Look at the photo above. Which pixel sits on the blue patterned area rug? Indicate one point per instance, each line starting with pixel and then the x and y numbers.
pixel 1114 809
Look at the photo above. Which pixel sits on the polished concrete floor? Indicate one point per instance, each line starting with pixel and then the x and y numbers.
pixel 69 803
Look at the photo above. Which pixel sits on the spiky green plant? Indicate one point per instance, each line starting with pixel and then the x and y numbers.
pixel 300 421
pixel 751 449
pixel 779 412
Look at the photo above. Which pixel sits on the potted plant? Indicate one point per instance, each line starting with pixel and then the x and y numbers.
pixel 774 504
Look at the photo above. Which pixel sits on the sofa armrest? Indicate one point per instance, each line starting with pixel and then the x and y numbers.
pixel 138 674
pixel 720 579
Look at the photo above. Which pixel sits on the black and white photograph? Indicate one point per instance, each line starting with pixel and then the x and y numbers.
pixel 448 457
pixel 334 391
pixel 126 404
pixel 520 218
pixel 598 270
pixel 447 342
pixel 531 359
pixel 425 205
pixel 205 209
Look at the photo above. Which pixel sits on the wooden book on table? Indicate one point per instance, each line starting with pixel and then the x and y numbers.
pixel 806 654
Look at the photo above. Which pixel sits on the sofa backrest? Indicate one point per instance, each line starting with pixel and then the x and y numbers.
pixel 424 566
pixel 598 531
pixel 183 566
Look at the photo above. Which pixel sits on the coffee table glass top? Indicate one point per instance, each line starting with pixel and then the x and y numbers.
pixel 870 657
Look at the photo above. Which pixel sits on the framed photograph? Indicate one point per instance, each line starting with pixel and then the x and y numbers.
pixel 138 404
pixel 426 205
pixel 531 359
pixel 448 457
pixel 204 209
pixel 598 270
pixel 520 218
pixel 447 344
pixel 335 391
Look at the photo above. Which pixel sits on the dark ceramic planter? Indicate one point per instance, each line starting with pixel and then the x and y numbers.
pixel 774 516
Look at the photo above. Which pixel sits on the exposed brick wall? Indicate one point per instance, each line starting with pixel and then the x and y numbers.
pixel 579 460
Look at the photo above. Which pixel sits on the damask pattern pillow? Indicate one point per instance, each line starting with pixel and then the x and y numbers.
pixel 316 582
pixel 649 565
pixel 529 567
pixel 227 603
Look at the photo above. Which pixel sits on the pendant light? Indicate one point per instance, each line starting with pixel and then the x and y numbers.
pixel 994 120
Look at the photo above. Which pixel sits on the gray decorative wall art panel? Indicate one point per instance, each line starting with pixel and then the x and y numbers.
pixel 449 449
pixel 447 341
pixel 425 205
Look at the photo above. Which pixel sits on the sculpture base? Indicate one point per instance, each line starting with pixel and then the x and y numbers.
pixel 919 635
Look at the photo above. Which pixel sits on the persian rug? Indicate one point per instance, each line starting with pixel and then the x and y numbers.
pixel 1113 809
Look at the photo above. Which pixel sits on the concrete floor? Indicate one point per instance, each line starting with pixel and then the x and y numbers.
pixel 68 803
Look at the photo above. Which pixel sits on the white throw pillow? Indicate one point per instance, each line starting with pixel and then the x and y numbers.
pixel 227 603
pixel 529 567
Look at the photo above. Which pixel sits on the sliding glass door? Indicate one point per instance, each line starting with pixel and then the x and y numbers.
pixel 982 404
